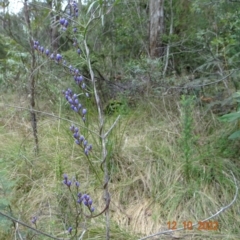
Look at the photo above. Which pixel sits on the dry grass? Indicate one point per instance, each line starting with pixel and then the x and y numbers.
pixel 147 186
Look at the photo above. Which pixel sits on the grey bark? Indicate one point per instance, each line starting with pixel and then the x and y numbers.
pixel 156 28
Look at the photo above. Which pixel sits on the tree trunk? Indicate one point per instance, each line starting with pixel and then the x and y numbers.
pixel 32 83
pixel 156 28
pixel 53 31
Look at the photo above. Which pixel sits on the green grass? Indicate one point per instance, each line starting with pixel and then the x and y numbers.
pixel 147 163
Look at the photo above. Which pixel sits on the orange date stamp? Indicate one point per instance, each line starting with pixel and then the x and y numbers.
pixel 188 225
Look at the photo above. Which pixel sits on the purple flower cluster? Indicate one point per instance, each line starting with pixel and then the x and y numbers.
pixel 75 8
pixel 66 181
pixel 64 23
pixel 72 8
pixel 81 198
pixel 86 200
pixel 78 78
pixel 80 140
pixel 52 56
pixel 76 106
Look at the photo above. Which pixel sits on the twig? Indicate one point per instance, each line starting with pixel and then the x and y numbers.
pixel 168 46
pixel 205 84
pixel 82 234
pixel 52 115
pixel 110 129
pixel 195 224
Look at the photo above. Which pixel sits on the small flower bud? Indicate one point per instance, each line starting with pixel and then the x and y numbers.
pixel 81 138
pixel 47 52
pixel 77 184
pixel 85 142
pixel 86 151
pixel 83 86
pixel 84 111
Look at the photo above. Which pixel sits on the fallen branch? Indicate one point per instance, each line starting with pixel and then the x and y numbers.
pixel 196 224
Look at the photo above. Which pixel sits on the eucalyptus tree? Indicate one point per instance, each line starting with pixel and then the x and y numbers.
pixel 156 29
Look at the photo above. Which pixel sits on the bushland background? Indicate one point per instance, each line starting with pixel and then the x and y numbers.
pixel 170 69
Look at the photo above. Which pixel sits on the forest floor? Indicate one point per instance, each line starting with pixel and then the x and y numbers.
pixel 170 168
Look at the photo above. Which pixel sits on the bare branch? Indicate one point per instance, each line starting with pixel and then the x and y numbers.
pixel 110 129
pixel 54 116
pixel 29 227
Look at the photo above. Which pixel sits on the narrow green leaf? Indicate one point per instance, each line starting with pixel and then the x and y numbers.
pixel 235 135
pixel 230 117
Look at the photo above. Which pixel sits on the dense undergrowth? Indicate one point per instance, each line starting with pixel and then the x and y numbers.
pixel 166 163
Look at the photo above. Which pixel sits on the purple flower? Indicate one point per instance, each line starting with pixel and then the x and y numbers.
pixel 84 111
pixel 52 56
pixel 81 138
pixel 80 78
pixel 62 21
pixel 83 86
pixel 77 184
pixel 74 30
pixel 79 51
pixel 76 71
pixel 47 52
pixel 89 147
pixel 58 57
pixel 34 220
pixel 85 142
pixel 76 135
pixel 86 151
pixel 70 230
pixel 65 23
pixel 69 183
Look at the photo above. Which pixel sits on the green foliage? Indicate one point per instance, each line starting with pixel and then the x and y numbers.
pixel 13 66
pixel 234 117
pixel 187 104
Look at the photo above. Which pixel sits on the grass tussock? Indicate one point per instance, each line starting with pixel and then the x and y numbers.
pixel 148 157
